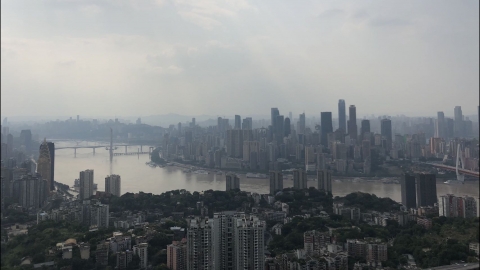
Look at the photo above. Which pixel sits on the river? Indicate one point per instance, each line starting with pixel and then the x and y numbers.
pixel 136 176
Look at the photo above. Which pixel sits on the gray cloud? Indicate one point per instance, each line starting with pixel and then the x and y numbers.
pixel 237 57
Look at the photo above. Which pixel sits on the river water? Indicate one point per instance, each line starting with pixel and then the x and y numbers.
pixel 136 176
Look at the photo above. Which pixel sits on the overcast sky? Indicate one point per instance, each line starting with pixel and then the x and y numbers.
pixel 193 57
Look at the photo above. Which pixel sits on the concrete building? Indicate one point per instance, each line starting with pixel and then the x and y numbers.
pixel 342 118
pixel 326 127
pixel 426 188
pixel 352 122
pixel 249 243
pixel 276 182
pixel 232 181
pixel 299 179
pixel 324 180
pixel 113 184
pixel 86 184
pixel 44 164
pixel 199 245
pixel 31 191
pixel 141 251
pixel 177 255
pixel 386 130
pixel 408 191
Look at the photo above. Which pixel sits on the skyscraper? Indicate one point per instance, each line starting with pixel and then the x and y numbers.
pixel 279 129
pixel 26 139
pixel 342 118
pixel 301 124
pixel 407 183
pixel 324 180
pixel 440 128
pixel 30 191
pixel 234 143
pixel 386 129
pixel 51 149
pixel 299 179
pixel 276 182
pixel 325 127
pixel 44 165
pixel 426 187
pixel 274 113
pixel 113 185
pixel 352 122
pixel 458 123
pixel 86 184
pixel 232 181
pixel 365 127
pixel 238 122
pixel 247 123
pixel 286 127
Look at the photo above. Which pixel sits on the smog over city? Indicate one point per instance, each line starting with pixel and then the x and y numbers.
pixel 240 134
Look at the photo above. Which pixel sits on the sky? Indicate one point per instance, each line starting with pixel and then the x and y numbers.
pixel 206 57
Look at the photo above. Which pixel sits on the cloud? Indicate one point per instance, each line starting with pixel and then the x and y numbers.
pixel 91 10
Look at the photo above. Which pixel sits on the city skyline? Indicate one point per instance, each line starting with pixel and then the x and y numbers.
pixel 384 59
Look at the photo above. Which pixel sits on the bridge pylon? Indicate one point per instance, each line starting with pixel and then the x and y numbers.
pixel 459 159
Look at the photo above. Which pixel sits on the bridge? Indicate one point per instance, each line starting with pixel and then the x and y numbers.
pixel 454 169
pixel 108 147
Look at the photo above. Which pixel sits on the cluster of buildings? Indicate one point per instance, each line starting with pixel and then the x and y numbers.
pixel 229 240
pixel 279 144
pixel 91 213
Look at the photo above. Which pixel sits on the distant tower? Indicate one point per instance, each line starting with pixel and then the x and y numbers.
pixel 386 130
pixel 44 166
pixel 325 126
pixel 352 122
pixel 86 184
pixel 342 119
pixel 113 185
pixel 459 159
pixel 238 122
pixel 232 182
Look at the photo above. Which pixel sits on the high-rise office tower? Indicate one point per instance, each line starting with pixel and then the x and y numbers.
pixel 450 128
pixel 352 122
pixel 365 127
pixel 220 127
pixel 324 180
pixel 249 243
pixel 113 184
pixel 26 139
pixel 426 187
pixel 301 124
pixel 342 118
pixel 238 122
pixel 247 123
pixel 310 158
pixel 193 122
pixel 276 182
pixel 408 190
pixel 325 127
pixel 51 149
pixel 234 143
pixel 286 127
pixel 274 113
pixel 440 127
pixel 86 184
pixel 386 130
pixel 44 165
pixel 299 179
pixel 232 181
pixel 279 129
pixel 179 127
pixel 458 124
